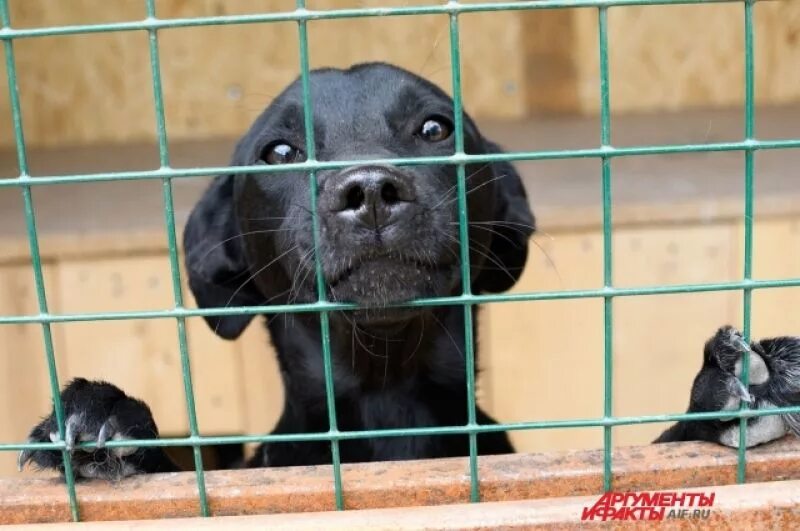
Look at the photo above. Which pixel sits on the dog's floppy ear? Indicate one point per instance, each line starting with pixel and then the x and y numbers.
pixel 512 225
pixel 216 261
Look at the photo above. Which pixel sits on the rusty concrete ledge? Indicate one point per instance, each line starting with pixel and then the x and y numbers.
pixel 397 484
pixel 774 505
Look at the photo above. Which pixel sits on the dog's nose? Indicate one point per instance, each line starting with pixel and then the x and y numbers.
pixel 376 196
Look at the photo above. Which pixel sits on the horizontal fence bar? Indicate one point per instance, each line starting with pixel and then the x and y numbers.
pixel 404 432
pixel 437 301
pixel 601 152
pixel 152 23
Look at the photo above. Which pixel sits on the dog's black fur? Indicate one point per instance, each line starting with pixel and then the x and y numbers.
pixel 387 234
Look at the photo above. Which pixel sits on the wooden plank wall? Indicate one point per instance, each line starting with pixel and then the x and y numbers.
pixel 105 79
pixel 677 57
pixel 24 385
pixel 541 360
pixel 237 385
pixel 661 57
pixel 515 64
pixel 544 360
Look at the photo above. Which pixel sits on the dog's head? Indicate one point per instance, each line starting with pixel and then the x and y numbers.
pixel 387 234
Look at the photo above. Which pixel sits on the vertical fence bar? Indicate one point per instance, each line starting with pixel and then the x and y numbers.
pixel 172 244
pixel 463 237
pixel 747 293
pixel 608 278
pixel 330 395
pixel 36 259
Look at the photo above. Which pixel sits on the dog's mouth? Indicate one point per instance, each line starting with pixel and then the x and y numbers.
pixel 396 261
pixel 380 281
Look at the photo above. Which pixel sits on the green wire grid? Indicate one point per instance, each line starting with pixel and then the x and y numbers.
pixel 604 153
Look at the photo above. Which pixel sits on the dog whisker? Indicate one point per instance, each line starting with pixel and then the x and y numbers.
pixel 419 342
pixel 484 252
pixel 448 334
pixel 544 252
pixel 254 275
pixel 522 228
pixel 454 188
pixel 191 257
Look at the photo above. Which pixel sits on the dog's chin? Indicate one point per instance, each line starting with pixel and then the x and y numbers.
pixel 385 322
pixel 379 285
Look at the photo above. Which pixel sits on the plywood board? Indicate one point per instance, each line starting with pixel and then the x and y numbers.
pixel 142 357
pixel 540 360
pixel 678 57
pixel 83 87
pixel 658 340
pixel 78 89
pixel 776 247
pixel 545 359
pixel 24 383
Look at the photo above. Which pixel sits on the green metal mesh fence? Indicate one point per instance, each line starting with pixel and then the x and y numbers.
pixel 605 153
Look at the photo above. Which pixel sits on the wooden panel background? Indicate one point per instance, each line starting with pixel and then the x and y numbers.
pixel 237 385
pixel 79 89
pixel 541 360
pixel 230 379
pixel 24 383
pixel 544 360
pixel 663 57
pixel 532 350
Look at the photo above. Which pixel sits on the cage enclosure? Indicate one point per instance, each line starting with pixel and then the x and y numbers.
pixel 659 142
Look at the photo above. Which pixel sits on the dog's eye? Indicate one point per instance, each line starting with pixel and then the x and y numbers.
pixel 435 129
pixel 281 153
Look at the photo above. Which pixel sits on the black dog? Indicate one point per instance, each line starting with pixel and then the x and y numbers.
pixel 387 234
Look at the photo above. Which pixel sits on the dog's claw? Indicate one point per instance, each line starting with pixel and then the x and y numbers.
pixel 744 345
pixel 106 431
pixel 743 393
pixel 23 458
pixel 71 432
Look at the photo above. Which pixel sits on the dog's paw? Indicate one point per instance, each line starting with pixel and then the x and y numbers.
pixel 95 412
pixel 728 347
pixel 719 386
